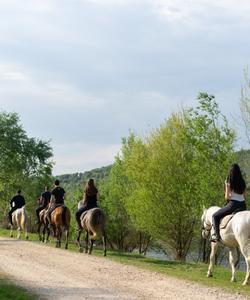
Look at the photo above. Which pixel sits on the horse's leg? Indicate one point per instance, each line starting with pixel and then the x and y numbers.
pixel 91 245
pixel 86 242
pixel 26 230
pixel 11 230
pixel 39 231
pixel 104 241
pixel 78 239
pixel 57 237
pixel 246 253
pixel 18 228
pixel 233 257
pixel 214 247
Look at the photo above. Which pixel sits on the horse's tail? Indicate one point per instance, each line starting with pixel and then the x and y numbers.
pixel 65 216
pixel 97 223
pixel 23 217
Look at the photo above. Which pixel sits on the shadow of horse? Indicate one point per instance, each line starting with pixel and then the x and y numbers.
pixel 93 223
pixel 20 220
pixel 60 221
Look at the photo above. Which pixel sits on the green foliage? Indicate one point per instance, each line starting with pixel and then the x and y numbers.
pixel 24 162
pixel 162 181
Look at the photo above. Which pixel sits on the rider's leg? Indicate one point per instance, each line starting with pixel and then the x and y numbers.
pixel 221 213
pixel 78 215
pixel 10 214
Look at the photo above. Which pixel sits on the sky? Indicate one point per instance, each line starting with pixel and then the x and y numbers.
pixel 83 73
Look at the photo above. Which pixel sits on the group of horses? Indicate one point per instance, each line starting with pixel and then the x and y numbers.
pixel 235 233
pixel 93 223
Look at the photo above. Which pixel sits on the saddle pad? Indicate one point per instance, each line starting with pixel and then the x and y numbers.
pixel 225 220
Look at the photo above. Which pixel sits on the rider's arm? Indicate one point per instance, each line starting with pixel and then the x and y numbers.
pixel 98 196
pixel 227 191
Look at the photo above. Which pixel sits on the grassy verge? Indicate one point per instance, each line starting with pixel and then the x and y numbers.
pixel 9 291
pixel 195 272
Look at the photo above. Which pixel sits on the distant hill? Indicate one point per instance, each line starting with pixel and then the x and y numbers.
pixel 71 181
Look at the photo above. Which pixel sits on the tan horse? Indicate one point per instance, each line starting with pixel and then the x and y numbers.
pixel 60 221
pixel 20 219
pixel 93 222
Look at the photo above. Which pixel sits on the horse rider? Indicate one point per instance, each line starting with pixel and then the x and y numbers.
pixel 57 198
pixel 91 195
pixel 43 202
pixel 235 194
pixel 16 202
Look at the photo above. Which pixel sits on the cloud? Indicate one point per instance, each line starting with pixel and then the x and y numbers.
pixel 80 156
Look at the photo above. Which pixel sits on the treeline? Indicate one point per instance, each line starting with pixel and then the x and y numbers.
pixel 159 183
pixel 25 163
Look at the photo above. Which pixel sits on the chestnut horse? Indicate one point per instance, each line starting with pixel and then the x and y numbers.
pixel 60 221
pixel 93 222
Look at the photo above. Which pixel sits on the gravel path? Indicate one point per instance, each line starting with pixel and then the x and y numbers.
pixel 60 274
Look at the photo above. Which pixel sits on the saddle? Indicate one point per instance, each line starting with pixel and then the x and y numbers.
pixel 224 221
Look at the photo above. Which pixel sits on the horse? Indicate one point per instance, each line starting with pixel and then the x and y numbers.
pixel 93 223
pixel 20 219
pixel 60 221
pixel 43 222
pixel 236 234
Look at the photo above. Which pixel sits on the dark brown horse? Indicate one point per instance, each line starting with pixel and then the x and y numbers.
pixel 60 221
pixel 93 222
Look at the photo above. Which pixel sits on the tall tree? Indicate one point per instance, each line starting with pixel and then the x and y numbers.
pixel 24 162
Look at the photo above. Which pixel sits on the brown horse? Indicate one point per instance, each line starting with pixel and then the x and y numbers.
pixel 60 221
pixel 93 222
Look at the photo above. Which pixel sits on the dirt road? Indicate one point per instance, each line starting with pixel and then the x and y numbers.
pixel 59 274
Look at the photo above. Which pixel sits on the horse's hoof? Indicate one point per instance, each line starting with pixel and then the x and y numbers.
pixel 81 250
pixel 233 280
pixel 209 275
pixel 27 237
pixel 66 247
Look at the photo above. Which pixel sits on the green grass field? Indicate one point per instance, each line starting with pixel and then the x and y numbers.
pixel 195 272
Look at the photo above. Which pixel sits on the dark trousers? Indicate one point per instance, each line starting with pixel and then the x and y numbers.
pixel 81 210
pixel 228 209
pixel 38 209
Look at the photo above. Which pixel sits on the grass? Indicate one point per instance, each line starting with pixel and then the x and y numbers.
pixel 9 291
pixel 195 272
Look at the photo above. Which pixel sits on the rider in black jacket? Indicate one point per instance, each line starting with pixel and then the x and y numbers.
pixel 43 202
pixel 16 202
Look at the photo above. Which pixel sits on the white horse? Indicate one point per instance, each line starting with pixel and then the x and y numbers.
pixel 20 219
pixel 235 234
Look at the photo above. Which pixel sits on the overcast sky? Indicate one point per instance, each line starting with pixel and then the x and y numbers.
pixel 82 73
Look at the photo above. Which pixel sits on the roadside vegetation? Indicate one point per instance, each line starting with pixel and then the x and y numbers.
pixel 9 291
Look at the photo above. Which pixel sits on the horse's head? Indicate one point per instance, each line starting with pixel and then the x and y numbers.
pixel 206 224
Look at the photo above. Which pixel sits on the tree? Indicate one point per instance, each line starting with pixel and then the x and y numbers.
pixel 24 162
pixel 174 171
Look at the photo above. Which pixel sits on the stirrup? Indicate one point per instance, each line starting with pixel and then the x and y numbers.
pixel 214 238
